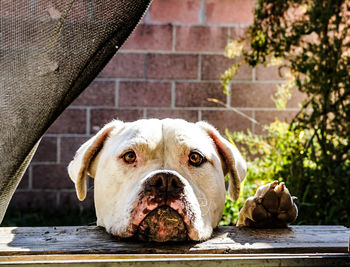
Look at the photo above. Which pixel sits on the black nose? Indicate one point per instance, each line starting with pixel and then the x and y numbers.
pixel 164 182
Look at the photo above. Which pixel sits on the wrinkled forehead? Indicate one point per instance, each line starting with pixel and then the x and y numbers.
pixel 139 134
pixel 181 134
pixel 154 134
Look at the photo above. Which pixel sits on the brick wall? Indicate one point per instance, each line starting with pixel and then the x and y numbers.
pixel 168 67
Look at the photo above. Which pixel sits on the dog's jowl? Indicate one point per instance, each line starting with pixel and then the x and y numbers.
pixel 161 180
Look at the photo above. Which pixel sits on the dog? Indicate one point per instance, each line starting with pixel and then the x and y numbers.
pixel 163 180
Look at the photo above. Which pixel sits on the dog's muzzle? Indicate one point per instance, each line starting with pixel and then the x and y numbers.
pixel 162 212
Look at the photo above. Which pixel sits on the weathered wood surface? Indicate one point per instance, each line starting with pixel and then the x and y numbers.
pixel 229 240
pixel 171 260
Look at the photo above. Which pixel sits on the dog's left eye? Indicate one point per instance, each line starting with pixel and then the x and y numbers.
pixel 195 159
pixel 129 157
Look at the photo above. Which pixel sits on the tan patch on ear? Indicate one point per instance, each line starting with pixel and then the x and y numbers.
pixel 88 158
pixel 229 163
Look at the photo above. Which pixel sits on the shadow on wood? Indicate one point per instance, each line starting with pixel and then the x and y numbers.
pixel 324 244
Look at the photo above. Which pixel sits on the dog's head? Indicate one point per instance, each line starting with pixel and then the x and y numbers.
pixel 160 180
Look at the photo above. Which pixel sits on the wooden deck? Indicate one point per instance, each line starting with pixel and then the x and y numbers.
pixel 295 246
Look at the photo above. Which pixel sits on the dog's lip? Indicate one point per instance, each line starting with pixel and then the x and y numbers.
pixel 146 206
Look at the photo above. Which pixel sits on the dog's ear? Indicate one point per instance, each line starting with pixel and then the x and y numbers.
pixel 233 162
pixel 82 163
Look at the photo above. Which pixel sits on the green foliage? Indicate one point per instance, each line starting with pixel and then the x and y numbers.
pixel 311 154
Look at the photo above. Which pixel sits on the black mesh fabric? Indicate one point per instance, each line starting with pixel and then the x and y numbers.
pixel 49 52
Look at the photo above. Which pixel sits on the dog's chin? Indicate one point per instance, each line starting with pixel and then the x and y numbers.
pixel 163 224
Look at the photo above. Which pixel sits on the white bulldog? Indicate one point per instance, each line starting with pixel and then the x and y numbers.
pixel 160 180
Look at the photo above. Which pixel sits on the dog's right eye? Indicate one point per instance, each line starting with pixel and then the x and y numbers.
pixel 129 157
pixel 195 159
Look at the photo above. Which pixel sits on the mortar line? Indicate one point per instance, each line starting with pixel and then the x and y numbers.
pixel 254 75
pixel 273 82
pixel 146 17
pixel 88 117
pixel 116 98
pixel 202 13
pixel 58 147
pixel 173 48
pixel 200 67
pixel 253 124
pixel 205 23
pixel 145 65
pixel 228 99
pixel 178 108
pixel 173 95
pixel 176 52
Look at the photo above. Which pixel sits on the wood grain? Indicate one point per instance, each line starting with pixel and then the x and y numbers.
pixel 225 240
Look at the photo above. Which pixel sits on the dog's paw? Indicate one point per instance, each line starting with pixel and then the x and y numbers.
pixel 271 207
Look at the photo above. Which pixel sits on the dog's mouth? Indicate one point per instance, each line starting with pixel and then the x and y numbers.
pixel 164 211
pixel 162 224
pixel 159 220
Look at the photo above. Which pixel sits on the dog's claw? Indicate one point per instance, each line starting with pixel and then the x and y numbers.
pixel 273 184
pixel 273 206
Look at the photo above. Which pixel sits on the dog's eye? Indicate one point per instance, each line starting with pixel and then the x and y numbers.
pixel 129 157
pixel 195 159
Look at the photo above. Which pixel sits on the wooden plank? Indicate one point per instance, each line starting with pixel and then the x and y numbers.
pixel 201 260
pixel 231 240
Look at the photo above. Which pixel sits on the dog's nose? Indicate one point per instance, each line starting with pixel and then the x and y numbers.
pixel 165 182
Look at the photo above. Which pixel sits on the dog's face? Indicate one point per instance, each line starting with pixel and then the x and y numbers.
pixel 160 180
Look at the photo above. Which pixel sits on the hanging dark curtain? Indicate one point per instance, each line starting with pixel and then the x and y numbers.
pixel 49 53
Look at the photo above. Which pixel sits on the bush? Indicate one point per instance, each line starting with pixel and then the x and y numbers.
pixel 281 155
pixel 312 153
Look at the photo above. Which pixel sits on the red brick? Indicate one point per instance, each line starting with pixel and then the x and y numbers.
pixel 47 150
pixel 14 8
pixel 51 176
pixel 266 117
pixel 229 11
pixel 55 9
pixel 145 94
pixel 201 38
pixel 213 66
pixel 260 95
pixel 188 115
pixel 227 119
pixel 252 95
pixel 150 37
pixel 99 93
pixel 170 66
pixel 268 73
pixel 187 11
pixel 296 99
pixel 236 33
pixel 29 200
pixel 125 65
pixel 24 183
pixel 197 94
pixel 70 145
pixel 99 117
pixel 70 121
